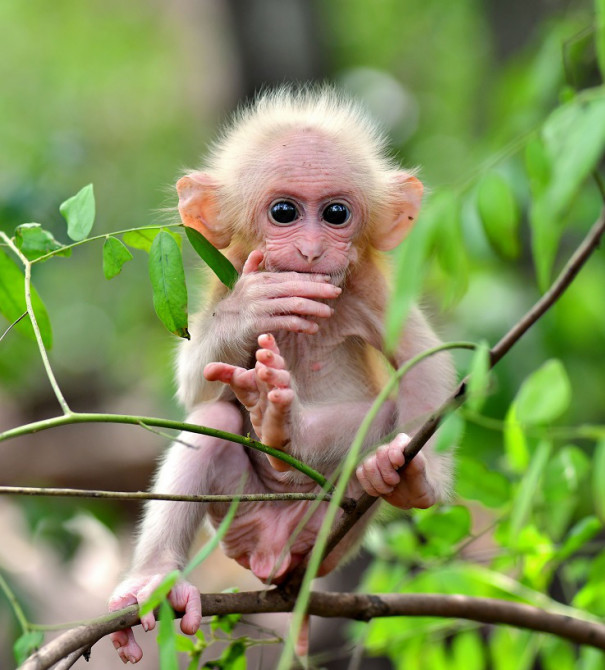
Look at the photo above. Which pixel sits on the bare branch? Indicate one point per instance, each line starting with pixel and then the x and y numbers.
pixel 144 495
pixel 358 606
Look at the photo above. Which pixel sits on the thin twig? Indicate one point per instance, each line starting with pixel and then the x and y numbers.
pixel 145 495
pixel 13 324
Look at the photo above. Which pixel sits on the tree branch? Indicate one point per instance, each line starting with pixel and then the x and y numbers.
pixel 579 258
pixel 358 606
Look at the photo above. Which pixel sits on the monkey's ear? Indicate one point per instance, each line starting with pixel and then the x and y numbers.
pixel 199 209
pixel 406 204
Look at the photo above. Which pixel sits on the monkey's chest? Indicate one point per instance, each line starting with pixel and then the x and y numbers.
pixel 327 369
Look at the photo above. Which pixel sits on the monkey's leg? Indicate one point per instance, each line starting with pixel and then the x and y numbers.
pixel 378 476
pixel 168 528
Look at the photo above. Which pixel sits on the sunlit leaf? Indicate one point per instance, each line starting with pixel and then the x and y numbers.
pixel 12 301
pixel 578 536
pixel 474 481
pixel 35 242
pixel 216 261
pixel 79 212
pixel 142 238
pixel 213 542
pixel 226 622
pixel 450 433
pixel 499 214
pixel 27 644
pixel 450 524
pixel 467 651
pixel 526 493
pixel 557 654
pixel 234 656
pixel 478 383
pixel 564 474
pixel 598 477
pixel 411 263
pixel 167 638
pixel 515 442
pixel 115 254
pixel 158 595
pixel 545 395
pixel 168 282
pixel 600 35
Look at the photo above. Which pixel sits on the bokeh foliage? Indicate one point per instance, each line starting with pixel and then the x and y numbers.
pixel 506 147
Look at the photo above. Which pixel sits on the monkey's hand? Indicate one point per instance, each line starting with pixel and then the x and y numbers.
pixel 265 391
pixel 378 476
pixel 183 597
pixel 267 302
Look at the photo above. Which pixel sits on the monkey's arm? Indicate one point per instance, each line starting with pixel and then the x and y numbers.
pixel 168 528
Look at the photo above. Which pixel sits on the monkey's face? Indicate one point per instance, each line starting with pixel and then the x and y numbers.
pixel 312 208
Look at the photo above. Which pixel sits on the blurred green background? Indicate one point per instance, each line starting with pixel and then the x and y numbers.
pixel 127 94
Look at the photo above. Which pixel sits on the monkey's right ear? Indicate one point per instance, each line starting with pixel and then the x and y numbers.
pixel 199 208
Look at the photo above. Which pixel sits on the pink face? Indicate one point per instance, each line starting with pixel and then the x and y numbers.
pixel 311 209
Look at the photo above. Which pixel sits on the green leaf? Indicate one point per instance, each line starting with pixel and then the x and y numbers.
pixel 600 35
pixel 556 654
pixel 185 644
pixel 142 238
pixel 515 443
pixel 210 546
pixel 537 165
pixel 581 533
pixel 216 261
pixel 12 301
pixel 225 622
pixel 448 524
pixel 449 245
pixel 545 395
pixel 499 214
pixel 478 384
pixel 35 242
pixel 234 657
pixel 467 651
pixel 564 474
pixel 27 644
pixel 523 501
pixel 598 474
pixel 574 141
pixel 167 638
pixel 476 482
pixel 450 433
pixel 79 212
pixel 158 595
pixel 168 282
pixel 115 254
pixel 411 263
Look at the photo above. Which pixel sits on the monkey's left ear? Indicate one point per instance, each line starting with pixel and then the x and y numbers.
pixel 406 204
pixel 198 207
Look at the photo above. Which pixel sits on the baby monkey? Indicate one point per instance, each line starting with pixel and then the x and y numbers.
pixel 301 193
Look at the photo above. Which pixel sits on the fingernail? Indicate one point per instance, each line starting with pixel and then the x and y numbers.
pixel 117 645
pixel 145 626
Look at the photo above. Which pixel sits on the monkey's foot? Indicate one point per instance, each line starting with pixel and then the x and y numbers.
pixel 265 391
pixel 378 476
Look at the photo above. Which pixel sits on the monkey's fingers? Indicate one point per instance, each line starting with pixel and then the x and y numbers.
pixel 126 646
pixel 415 487
pixel 185 597
pixel 253 261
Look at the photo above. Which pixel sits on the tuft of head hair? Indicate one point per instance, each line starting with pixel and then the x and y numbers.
pixel 238 151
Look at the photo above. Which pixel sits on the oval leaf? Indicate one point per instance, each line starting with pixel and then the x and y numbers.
pixel 545 395
pixel 79 212
pixel 142 238
pixel 115 254
pixel 475 481
pixel 35 242
pixel 168 282
pixel 167 638
pixel 12 301
pixel 598 473
pixel 478 383
pixel 216 261
pixel 499 214
pixel 27 644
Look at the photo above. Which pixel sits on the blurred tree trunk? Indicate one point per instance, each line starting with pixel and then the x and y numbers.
pixel 277 42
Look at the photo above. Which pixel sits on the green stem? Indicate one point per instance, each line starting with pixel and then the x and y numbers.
pixel 30 310
pixel 82 417
pixel 349 465
pixel 104 236
pixel 14 603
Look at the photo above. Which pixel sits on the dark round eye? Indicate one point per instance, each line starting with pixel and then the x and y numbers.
pixel 336 213
pixel 283 212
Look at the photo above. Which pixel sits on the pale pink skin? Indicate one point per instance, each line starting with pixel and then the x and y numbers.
pixel 307 392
